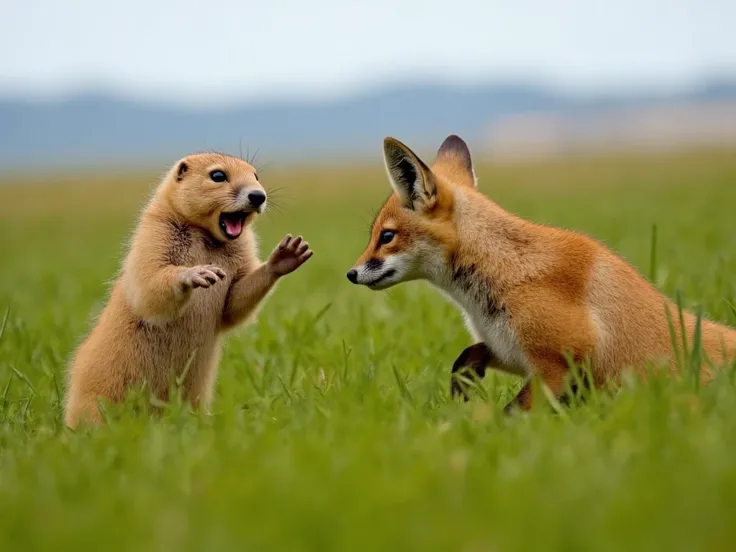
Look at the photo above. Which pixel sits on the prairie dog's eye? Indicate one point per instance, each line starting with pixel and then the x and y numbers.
pixel 386 237
pixel 218 176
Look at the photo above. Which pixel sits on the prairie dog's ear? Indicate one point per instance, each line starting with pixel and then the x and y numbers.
pixel 454 155
pixel 411 179
pixel 181 169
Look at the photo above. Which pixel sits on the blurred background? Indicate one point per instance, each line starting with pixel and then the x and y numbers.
pixel 97 83
pixel 333 425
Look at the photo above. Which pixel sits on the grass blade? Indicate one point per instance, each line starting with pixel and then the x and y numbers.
pixel 673 338
pixel 346 356
pixel 5 323
pixel 24 414
pixel 403 389
pixel 653 256
pixel 732 307
pixel 466 383
pixel 696 355
pixel 6 391
pixel 285 387
pixel 553 402
pixel 23 377
pixel 321 313
pixel 56 387
pixel 683 332
pixel 295 363
pixel 181 377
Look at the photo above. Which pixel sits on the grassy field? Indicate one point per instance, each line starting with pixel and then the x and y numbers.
pixel 332 427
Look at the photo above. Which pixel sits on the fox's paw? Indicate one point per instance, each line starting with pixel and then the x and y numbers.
pixel 202 276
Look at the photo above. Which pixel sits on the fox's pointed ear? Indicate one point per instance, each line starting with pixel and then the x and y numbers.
pixel 455 155
pixel 409 176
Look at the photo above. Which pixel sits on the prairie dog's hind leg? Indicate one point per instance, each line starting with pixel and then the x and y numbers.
pixel 82 410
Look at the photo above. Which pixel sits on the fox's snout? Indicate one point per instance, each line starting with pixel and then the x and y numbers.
pixel 361 273
pixel 377 273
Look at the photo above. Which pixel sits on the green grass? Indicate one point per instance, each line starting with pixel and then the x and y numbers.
pixel 332 426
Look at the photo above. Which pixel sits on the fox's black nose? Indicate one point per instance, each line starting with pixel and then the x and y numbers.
pixel 256 198
pixel 353 275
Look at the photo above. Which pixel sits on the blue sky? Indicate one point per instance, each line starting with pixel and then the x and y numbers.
pixel 230 51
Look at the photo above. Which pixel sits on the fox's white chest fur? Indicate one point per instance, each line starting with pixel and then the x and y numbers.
pixel 490 326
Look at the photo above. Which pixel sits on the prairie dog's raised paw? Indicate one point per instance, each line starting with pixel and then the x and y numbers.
pixel 202 276
pixel 289 255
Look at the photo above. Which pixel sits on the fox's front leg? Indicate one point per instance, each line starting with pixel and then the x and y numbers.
pixel 474 358
pixel 478 358
pixel 247 292
pixel 552 374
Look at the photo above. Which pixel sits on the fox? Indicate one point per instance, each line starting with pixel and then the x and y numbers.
pixel 534 297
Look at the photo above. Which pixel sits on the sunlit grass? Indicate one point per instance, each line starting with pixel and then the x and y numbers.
pixel 332 427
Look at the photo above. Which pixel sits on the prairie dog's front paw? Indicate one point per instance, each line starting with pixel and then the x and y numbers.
pixel 202 276
pixel 289 255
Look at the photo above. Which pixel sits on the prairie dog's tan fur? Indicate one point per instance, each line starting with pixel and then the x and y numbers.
pixel 531 294
pixel 192 272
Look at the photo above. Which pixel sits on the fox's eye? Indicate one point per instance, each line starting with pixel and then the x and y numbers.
pixel 386 237
pixel 218 176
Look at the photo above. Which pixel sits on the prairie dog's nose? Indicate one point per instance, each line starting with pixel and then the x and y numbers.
pixel 256 198
pixel 353 275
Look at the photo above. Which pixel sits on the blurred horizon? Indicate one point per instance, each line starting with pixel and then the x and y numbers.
pixel 90 83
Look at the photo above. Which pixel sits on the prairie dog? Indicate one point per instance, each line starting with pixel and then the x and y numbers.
pixel 191 273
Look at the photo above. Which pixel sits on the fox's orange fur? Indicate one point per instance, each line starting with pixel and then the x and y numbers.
pixel 531 294
pixel 188 277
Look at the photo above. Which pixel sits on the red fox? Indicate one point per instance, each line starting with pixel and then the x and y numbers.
pixel 533 296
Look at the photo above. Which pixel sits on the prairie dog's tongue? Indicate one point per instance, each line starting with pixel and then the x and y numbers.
pixel 233 226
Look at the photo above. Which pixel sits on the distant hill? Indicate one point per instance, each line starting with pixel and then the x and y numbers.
pixel 99 129
pixel 666 127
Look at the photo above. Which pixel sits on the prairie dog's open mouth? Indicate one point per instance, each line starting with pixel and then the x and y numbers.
pixel 232 224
